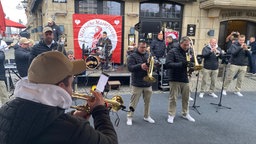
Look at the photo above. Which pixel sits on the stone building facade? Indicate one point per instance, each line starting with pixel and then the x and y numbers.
pixel 200 19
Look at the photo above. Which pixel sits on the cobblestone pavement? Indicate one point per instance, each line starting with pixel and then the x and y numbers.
pixel 247 85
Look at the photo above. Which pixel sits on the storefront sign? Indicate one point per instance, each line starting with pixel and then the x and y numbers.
pixel 191 30
pixel 88 30
pixel 238 14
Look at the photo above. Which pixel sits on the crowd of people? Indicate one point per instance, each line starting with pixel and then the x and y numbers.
pixel 37 112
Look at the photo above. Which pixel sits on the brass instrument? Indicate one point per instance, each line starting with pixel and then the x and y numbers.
pixel 149 78
pixel 115 103
pixel 197 66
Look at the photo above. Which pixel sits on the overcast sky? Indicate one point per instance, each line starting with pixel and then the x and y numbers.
pixel 12 12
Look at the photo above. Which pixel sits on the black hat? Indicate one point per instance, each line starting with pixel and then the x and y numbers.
pixel 25 34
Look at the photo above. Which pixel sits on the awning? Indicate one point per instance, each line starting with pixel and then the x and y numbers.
pixel 10 23
pixel 2 21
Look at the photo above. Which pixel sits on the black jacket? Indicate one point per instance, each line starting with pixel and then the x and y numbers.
pixel 134 62
pixel 26 122
pixel 253 47
pixel 22 60
pixel 239 56
pixel 2 69
pixel 176 62
pixel 173 44
pixel 157 48
pixel 56 32
pixel 42 47
pixel 211 60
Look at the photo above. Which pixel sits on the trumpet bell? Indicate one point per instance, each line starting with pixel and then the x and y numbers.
pixel 116 102
pixel 198 67
pixel 149 79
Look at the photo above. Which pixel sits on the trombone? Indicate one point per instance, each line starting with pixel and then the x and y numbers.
pixel 115 103
pixel 197 66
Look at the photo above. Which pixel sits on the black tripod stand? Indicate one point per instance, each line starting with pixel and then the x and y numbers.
pixel 219 105
pixel 194 106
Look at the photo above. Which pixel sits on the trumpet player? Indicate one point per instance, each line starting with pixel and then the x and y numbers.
pixel 211 54
pixel 176 61
pixel 37 113
pixel 238 65
pixel 137 65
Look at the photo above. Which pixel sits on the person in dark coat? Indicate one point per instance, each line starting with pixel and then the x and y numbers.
pixel 238 65
pixel 253 55
pixel 37 115
pixel 176 61
pixel 172 42
pixel 157 46
pixel 21 55
pixel 55 29
pixel 211 54
pixel 137 65
pixel 106 50
pixel 47 44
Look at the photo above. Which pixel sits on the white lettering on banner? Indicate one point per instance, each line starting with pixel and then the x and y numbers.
pixel 91 32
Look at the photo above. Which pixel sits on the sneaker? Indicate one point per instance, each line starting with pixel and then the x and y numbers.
pixel 191 99
pixel 224 92
pixel 189 118
pixel 201 95
pixel 213 95
pixel 170 119
pixel 129 121
pixel 238 93
pixel 149 119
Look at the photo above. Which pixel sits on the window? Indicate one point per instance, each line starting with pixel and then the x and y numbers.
pixel 110 7
pixel 87 7
pixel 149 10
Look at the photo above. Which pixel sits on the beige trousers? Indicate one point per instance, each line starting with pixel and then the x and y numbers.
pixel 4 97
pixel 211 75
pixel 146 92
pixel 177 88
pixel 231 72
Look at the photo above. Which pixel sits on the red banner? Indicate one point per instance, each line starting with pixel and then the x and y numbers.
pixel 88 29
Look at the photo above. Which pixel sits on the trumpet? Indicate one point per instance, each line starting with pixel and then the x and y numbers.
pixel 115 103
pixel 149 78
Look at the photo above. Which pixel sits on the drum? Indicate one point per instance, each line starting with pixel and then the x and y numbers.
pixel 92 62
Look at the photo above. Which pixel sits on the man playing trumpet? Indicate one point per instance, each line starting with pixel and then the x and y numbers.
pixel 37 113
pixel 238 64
pixel 211 54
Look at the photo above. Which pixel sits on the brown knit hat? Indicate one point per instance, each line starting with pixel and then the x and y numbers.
pixel 52 67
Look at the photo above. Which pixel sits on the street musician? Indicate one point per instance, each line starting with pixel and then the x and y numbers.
pixel 37 113
pixel 176 61
pixel 211 54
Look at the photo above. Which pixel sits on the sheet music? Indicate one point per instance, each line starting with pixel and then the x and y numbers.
pixel 102 82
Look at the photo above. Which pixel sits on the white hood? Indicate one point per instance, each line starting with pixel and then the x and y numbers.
pixel 47 94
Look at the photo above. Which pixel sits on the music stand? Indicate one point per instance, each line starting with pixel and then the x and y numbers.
pixel 225 59
pixel 194 106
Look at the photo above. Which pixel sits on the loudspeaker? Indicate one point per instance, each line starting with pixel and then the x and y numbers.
pixel 151 26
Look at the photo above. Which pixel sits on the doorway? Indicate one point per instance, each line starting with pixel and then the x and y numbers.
pixel 246 28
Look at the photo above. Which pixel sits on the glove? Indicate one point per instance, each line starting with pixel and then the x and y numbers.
pixel 188 64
